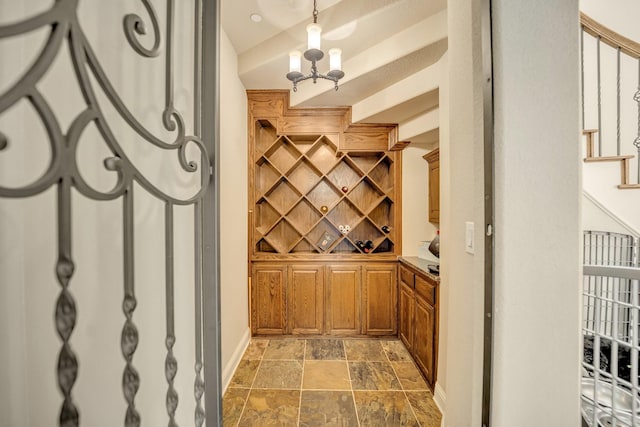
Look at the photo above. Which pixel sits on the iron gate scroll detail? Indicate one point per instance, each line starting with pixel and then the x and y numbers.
pixel 63 172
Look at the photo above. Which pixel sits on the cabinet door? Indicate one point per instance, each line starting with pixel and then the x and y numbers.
pixel 343 300
pixel 423 339
pixel 433 158
pixel 380 299
pixel 268 300
pixel 305 290
pixel 434 193
pixel 405 307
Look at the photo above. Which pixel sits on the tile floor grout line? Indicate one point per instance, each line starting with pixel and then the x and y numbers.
pixel 246 400
pixel 304 360
pixel 353 394
pixel 402 387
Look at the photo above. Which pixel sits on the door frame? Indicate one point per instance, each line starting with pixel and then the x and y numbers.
pixel 210 119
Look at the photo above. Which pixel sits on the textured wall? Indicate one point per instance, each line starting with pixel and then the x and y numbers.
pixel 233 217
pixel 462 200
pixel 538 191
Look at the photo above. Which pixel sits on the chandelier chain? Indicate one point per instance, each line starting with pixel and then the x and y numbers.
pixel 315 11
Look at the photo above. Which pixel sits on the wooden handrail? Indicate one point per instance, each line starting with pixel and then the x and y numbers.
pixel 609 36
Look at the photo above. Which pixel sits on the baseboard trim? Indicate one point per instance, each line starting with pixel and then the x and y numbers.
pixel 236 357
pixel 440 398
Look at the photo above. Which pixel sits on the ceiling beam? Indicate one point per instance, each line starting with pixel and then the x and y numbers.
pixel 420 83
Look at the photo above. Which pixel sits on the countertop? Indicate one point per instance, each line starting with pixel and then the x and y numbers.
pixel 419 264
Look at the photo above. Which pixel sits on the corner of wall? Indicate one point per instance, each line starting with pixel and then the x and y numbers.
pixel 415 187
pixel 440 398
pixel 444 207
pixel 234 273
pixel 234 360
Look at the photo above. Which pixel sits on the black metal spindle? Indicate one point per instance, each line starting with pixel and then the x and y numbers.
pixel 636 142
pixel 618 101
pixel 582 73
pixel 129 336
pixel 599 99
pixel 199 385
pixel 65 314
pixel 170 363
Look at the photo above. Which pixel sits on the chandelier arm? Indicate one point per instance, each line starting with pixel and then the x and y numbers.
pixel 333 79
pixel 303 78
pixel 314 76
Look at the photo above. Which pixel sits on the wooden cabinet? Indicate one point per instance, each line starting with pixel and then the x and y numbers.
pixel 324 219
pixel 433 157
pixel 306 299
pixel 405 313
pixel 424 337
pixel 308 195
pixel 268 300
pixel 418 314
pixel 380 299
pixel 343 299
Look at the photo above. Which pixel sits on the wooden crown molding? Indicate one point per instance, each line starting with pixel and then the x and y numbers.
pixel 274 103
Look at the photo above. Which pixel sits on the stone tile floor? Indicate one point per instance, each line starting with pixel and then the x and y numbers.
pixel 328 382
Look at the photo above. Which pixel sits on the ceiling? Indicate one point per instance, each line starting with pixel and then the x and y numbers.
pixel 390 55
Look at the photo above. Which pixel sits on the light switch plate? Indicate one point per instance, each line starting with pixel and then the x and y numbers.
pixel 469 237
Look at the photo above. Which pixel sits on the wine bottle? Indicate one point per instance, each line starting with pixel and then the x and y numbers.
pixel 368 246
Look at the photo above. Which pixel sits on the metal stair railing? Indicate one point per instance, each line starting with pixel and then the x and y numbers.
pixel 602 44
pixel 610 390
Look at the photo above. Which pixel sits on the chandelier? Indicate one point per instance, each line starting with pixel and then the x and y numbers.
pixel 314 54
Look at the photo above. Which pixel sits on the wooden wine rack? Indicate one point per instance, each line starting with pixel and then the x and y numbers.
pixel 312 173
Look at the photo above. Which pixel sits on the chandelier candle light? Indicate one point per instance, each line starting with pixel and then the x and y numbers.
pixel 314 54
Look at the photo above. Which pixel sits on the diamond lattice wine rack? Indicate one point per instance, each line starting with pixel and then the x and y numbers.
pixel 318 186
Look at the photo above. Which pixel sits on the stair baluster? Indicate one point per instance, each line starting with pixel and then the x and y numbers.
pixel 621 44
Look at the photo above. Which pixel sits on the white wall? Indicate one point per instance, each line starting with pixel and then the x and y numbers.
pixel 416 227
pixel 445 186
pixel 614 14
pixel 28 240
pixel 461 163
pixel 537 234
pixel 233 215
pixel 596 217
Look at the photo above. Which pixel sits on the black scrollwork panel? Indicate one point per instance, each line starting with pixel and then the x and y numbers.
pixel 63 173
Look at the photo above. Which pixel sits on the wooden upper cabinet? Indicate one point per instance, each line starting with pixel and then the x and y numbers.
pixel 319 186
pixel 380 299
pixel 433 157
pixel 306 299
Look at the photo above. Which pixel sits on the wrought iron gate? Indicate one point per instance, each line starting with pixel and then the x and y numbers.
pixel 176 189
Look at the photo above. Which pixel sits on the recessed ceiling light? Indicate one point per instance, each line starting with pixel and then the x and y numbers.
pixel 255 17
